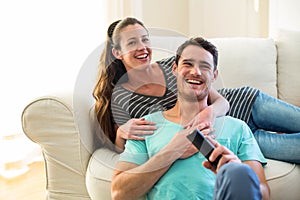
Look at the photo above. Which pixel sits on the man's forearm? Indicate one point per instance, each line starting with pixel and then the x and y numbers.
pixel 265 191
pixel 132 181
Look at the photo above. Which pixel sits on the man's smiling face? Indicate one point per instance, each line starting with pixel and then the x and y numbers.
pixel 194 73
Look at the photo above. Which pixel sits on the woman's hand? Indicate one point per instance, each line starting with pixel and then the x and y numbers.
pixel 134 129
pixel 227 156
pixel 206 116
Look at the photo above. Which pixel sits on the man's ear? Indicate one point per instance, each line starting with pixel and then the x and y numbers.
pixel 117 53
pixel 174 69
pixel 216 74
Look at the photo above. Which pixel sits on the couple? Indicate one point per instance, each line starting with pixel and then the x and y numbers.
pixel 166 165
pixel 125 93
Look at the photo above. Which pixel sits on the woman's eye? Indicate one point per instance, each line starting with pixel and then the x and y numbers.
pixel 131 43
pixel 146 40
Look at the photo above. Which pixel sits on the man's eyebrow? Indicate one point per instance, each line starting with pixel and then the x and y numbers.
pixel 188 60
pixel 192 60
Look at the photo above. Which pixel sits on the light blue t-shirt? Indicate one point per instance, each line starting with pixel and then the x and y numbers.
pixel 187 178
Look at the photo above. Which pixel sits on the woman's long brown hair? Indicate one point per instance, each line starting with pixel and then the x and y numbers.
pixel 110 71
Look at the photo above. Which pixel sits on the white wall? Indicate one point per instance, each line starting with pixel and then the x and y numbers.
pixel 284 14
pixel 230 18
pixel 208 18
pixel 42 46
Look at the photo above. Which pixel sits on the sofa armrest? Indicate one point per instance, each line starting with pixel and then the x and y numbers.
pixel 49 122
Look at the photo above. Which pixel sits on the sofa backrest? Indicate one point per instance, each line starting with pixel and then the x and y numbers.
pixel 247 62
pixel 288 47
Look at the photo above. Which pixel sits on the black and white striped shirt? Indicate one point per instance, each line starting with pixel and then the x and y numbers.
pixel 240 101
pixel 127 104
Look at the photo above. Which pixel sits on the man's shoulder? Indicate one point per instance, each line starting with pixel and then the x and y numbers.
pixel 228 120
pixel 231 127
pixel 232 119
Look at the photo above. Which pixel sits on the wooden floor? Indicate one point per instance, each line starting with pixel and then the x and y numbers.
pixel 31 185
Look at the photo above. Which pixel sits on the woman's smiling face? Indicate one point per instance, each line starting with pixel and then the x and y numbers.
pixel 135 47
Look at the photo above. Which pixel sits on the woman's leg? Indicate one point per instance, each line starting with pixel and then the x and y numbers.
pixel 272 114
pixel 283 147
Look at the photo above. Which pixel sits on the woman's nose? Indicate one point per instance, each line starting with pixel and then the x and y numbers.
pixel 141 46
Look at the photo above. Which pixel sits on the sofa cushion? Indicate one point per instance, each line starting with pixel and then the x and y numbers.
pixel 281 176
pixel 283 179
pixel 288 47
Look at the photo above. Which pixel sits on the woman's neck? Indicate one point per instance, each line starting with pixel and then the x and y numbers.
pixel 141 76
pixel 147 81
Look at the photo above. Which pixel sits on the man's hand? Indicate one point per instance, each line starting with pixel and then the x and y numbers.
pixel 227 156
pixel 181 145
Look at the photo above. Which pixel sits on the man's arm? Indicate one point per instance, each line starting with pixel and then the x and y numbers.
pixel 131 181
pixel 264 187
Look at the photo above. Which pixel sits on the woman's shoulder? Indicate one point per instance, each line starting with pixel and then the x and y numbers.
pixel 119 92
pixel 166 61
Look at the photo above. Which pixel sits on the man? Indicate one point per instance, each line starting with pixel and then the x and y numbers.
pixel 167 166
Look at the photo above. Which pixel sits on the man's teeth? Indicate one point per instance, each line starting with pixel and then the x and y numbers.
pixel 194 82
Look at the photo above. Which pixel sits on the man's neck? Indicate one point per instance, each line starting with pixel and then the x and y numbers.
pixel 184 111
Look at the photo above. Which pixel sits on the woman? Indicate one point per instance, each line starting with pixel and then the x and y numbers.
pixel 121 96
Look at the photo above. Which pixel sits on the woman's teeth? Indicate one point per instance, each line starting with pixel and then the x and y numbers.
pixel 142 56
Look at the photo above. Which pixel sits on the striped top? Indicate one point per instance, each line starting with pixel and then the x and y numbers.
pixel 127 104
pixel 240 101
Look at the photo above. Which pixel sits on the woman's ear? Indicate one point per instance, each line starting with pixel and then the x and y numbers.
pixel 117 53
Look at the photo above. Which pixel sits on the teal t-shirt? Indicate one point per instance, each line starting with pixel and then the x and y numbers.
pixel 187 178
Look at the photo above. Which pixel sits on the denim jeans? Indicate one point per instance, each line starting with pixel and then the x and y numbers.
pixel 270 115
pixel 235 182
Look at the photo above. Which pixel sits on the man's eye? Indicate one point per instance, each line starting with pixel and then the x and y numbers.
pixel 204 66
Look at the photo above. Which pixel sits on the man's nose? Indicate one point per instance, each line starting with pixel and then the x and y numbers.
pixel 196 70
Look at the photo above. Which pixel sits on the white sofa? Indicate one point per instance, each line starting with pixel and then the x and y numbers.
pixel 80 167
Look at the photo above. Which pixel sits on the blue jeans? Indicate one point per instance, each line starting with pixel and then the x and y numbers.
pixel 270 115
pixel 235 182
